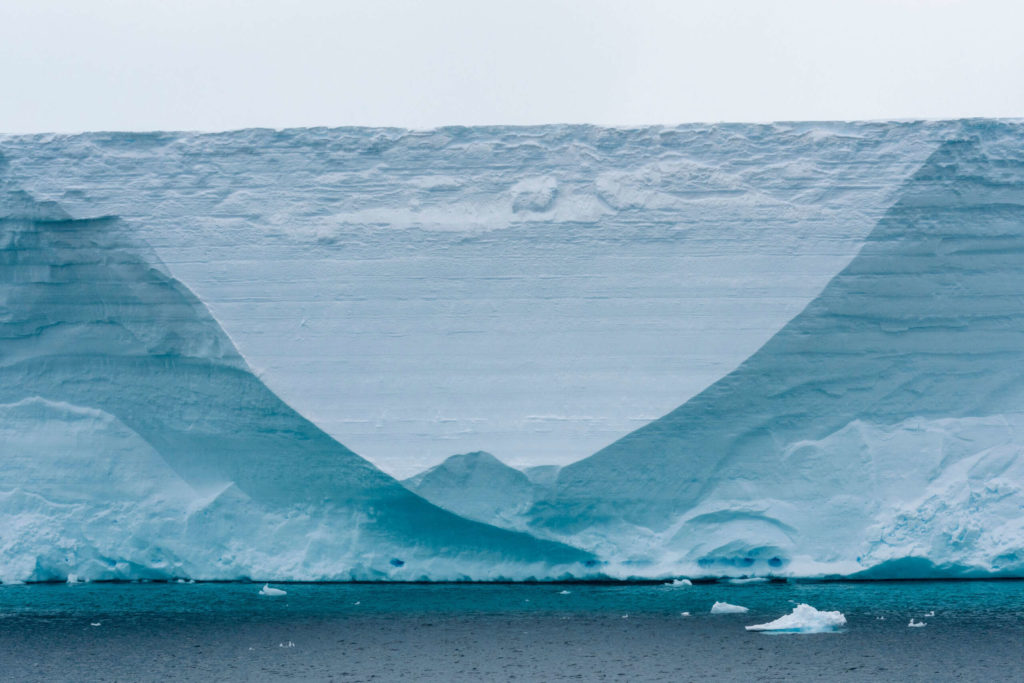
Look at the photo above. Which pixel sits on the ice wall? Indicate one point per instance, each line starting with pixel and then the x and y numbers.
pixel 881 427
pixel 533 292
pixel 137 443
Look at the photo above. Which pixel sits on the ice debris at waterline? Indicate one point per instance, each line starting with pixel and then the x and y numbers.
pixel 880 433
pixel 726 608
pixel 269 591
pixel 916 624
pixel 804 619
pixel 680 583
pixel 138 444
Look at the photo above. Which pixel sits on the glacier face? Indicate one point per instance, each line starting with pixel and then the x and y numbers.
pixel 555 285
pixel 533 292
pixel 878 432
pixel 137 443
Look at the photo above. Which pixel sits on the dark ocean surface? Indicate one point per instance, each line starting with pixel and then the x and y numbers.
pixel 538 632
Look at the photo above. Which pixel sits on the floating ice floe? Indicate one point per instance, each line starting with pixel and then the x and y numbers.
pixel 930 614
pixel 564 592
pixel 804 619
pixel 916 624
pixel 684 614
pixel 753 579
pixel 94 623
pixel 726 608
pixel 72 579
pixel 267 590
pixel 681 582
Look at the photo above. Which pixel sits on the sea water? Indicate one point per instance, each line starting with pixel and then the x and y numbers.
pixel 164 631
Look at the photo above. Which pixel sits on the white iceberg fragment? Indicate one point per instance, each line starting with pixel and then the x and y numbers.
pixel 916 624
pixel 684 614
pixel 726 608
pixel 930 614
pixel 267 590
pixel 753 579
pixel 804 619
pixel 681 582
pixel 564 592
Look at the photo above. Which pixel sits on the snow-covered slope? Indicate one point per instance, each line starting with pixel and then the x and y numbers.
pixel 136 442
pixel 880 429
pixel 481 487
pixel 538 291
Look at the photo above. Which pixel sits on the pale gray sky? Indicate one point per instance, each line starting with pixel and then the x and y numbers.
pixel 68 65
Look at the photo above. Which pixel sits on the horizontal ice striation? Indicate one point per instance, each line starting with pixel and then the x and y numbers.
pixel 880 431
pixel 138 444
pixel 536 292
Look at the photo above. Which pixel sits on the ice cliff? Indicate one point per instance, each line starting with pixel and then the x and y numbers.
pixel 879 433
pixel 137 443
pixel 837 307
pixel 534 292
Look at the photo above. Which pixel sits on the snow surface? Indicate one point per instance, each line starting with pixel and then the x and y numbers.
pixel 879 433
pixel 804 619
pixel 726 608
pixel 137 443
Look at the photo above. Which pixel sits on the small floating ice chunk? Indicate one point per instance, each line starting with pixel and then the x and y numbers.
pixel 288 644
pixel 564 592
pixel 267 590
pixel 94 623
pixel 804 619
pixel 930 614
pixel 916 624
pixel 684 614
pixel 72 579
pixel 679 583
pixel 726 608
pixel 753 579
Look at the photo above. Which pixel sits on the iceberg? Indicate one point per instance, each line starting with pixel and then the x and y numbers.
pixel 877 434
pixel 804 619
pixel 139 444
pixel 726 608
pixel 269 591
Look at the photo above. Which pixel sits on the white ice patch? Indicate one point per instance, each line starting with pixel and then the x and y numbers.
pixel 679 583
pixel 726 608
pixel 273 592
pixel 804 619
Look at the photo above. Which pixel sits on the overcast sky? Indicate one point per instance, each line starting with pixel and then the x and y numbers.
pixel 68 65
